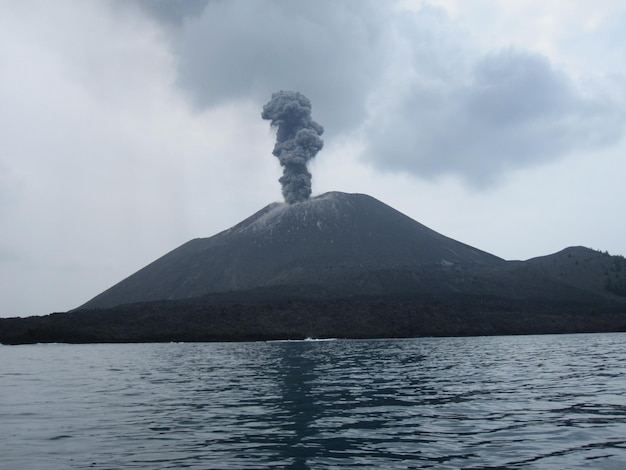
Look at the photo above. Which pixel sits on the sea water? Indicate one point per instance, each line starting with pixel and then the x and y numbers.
pixel 550 402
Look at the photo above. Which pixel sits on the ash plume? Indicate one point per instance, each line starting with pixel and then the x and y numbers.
pixel 297 141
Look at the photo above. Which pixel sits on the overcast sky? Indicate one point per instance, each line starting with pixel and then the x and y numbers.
pixel 130 127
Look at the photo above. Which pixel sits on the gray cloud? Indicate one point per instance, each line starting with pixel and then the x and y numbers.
pixel 516 110
pixel 511 88
pixel 169 12
pixel 429 100
pixel 333 52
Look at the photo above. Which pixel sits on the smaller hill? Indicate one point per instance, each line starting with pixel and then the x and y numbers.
pixel 586 269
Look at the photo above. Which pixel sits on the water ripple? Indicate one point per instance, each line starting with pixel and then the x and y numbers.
pixel 501 402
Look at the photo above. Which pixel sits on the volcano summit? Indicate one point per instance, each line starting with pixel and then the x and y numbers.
pixel 327 241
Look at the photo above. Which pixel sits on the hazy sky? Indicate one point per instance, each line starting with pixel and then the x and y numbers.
pixel 129 127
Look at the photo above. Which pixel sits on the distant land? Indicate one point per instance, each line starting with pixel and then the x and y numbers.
pixel 342 266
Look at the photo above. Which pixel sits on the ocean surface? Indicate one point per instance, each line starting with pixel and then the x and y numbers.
pixel 549 402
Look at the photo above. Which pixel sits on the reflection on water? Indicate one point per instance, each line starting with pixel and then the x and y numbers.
pixel 296 374
pixel 500 402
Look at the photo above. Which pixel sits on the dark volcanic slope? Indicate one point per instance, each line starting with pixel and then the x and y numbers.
pixel 326 239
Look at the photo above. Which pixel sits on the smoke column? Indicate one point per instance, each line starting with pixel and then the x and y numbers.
pixel 297 141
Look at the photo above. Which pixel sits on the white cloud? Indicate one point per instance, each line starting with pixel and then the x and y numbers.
pixel 104 166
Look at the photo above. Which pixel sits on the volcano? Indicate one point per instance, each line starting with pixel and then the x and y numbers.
pixel 326 241
pixel 340 266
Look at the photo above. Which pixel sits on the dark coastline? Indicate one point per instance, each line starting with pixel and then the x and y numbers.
pixel 221 319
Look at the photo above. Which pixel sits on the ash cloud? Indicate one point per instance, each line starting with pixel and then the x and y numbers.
pixel 297 141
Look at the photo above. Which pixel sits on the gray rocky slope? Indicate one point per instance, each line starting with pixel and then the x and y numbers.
pixel 327 241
